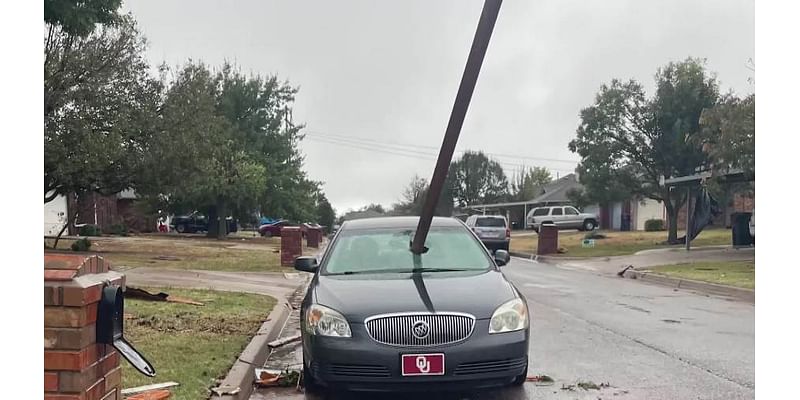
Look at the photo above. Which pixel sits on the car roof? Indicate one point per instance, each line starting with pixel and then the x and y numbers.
pixel 397 222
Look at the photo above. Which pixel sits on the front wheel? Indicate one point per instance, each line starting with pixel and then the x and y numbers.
pixel 589 225
pixel 181 228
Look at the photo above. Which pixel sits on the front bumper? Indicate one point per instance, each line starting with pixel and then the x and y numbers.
pixel 360 363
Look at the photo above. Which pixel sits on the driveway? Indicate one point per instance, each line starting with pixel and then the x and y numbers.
pixel 645 341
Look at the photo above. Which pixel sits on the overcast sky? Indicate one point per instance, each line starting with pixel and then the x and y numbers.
pixel 377 79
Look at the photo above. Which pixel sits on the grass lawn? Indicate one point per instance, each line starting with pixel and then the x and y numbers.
pixel 617 243
pixel 191 345
pixel 188 252
pixel 733 273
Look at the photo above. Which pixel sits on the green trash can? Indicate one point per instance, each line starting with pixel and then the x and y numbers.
pixel 740 229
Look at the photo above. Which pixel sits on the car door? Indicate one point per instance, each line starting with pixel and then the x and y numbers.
pixel 557 216
pixel 571 218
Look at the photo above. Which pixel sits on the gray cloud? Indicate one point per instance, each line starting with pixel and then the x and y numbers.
pixel 388 71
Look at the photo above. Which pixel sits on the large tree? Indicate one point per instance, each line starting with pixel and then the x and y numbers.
pixel 414 195
pixel 729 134
pixel 100 108
pixel 629 143
pixel 79 17
pixel 474 178
pixel 326 215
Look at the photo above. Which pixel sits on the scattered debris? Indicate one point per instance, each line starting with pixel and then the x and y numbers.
pixel 671 321
pixel 160 394
pixel 540 380
pixel 271 377
pixel 167 258
pixel 226 390
pixel 141 294
pixel 284 341
pixel 622 273
pixel 571 388
pixel 588 385
pixel 561 250
pixel 145 388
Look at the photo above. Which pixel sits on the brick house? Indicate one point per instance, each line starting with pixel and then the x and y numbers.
pixel 96 209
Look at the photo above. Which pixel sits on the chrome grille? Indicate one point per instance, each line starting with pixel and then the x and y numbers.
pixel 397 329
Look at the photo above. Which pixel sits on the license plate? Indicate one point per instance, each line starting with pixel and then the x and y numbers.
pixel 422 364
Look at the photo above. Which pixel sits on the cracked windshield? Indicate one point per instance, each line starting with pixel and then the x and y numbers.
pixel 459 199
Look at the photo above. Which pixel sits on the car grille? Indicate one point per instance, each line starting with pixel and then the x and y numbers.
pixel 352 370
pixel 490 366
pixel 397 329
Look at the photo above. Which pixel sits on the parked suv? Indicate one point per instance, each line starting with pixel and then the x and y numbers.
pixel 564 217
pixel 492 230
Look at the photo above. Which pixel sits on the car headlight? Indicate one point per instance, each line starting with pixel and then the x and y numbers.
pixel 509 317
pixel 323 321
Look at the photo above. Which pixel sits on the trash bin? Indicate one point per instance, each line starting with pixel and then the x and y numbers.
pixel 548 239
pixel 625 224
pixel 740 229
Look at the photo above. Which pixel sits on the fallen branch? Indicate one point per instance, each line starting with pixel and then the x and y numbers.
pixel 284 341
pixel 136 293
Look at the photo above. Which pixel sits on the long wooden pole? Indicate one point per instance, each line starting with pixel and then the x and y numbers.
pixel 479 45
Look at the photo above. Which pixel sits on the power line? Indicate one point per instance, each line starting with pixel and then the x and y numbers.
pixel 417 146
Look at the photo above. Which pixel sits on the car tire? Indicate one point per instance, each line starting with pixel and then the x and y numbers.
pixel 589 225
pixel 181 228
pixel 520 379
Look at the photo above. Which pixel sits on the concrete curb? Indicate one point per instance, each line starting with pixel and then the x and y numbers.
pixel 241 374
pixel 546 259
pixel 697 286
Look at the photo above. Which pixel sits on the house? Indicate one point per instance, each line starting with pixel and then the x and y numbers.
pixel 96 209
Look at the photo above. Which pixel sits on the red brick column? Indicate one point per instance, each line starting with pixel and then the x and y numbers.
pixel 76 367
pixel 314 237
pixel 291 245
pixel 548 240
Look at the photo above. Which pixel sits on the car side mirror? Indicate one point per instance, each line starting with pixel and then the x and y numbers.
pixel 306 264
pixel 501 257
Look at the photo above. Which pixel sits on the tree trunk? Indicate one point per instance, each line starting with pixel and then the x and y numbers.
pixel 212 222
pixel 222 222
pixel 672 221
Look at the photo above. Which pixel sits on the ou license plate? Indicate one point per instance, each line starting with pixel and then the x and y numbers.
pixel 422 364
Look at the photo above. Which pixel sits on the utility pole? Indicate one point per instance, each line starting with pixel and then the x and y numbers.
pixel 474 61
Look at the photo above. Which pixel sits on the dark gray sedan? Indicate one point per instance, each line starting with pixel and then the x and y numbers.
pixel 378 317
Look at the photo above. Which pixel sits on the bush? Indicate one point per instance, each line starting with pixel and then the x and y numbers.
pixel 90 230
pixel 653 225
pixel 81 245
pixel 119 229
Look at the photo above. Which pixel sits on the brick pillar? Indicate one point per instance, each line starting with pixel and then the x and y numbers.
pixel 76 367
pixel 548 240
pixel 314 237
pixel 291 245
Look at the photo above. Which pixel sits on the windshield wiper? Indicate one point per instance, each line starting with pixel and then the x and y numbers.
pixel 424 269
pixel 398 270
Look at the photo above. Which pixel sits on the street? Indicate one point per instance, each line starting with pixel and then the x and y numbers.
pixel 644 341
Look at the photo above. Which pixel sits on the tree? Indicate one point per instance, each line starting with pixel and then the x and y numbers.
pixel 628 143
pixel 474 178
pixel 414 198
pixel 527 184
pixel 326 215
pixel 79 17
pixel 100 109
pixel 728 134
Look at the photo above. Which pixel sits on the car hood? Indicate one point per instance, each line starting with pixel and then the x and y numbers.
pixel 360 296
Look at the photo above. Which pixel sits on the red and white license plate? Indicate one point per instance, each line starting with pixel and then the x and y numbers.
pixel 422 364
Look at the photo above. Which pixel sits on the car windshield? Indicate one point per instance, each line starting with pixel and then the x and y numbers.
pixel 380 251
pixel 491 222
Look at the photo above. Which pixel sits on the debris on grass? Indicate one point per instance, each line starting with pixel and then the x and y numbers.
pixel 622 273
pixel 141 294
pixel 160 394
pixel 271 377
pixel 226 390
pixel 146 388
pixel 167 258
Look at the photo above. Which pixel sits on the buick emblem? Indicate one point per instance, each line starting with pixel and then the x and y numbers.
pixel 420 329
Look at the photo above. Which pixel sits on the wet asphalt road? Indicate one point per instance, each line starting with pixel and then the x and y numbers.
pixel 645 341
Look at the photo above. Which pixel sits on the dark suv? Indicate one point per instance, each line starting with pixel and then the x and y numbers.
pixel 196 222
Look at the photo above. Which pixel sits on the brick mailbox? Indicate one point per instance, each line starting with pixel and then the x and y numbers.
pixel 548 240
pixel 291 245
pixel 76 366
pixel 313 236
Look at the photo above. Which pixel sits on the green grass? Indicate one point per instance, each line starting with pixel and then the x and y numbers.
pixel 732 273
pixel 253 255
pixel 617 243
pixel 191 345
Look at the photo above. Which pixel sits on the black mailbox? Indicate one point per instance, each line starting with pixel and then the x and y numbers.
pixel 110 328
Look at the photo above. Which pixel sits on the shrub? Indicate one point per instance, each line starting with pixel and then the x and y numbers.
pixel 90 230
pixel 119 229
pixel 81 245
pixel 653 225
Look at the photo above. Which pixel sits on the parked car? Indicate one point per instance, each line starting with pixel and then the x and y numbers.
pixel 564 217
pixel 377 317
pixel 493 230
pixel 273 229
pixel 196 222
